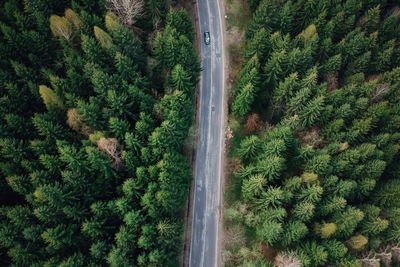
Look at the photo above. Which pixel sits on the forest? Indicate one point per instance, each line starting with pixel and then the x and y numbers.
pixel 96 102
pixel 316 124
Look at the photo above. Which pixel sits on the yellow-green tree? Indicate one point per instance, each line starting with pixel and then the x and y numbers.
pixel 50 98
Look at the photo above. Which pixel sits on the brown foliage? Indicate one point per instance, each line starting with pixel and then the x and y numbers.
pixel 268 252
pixel 372 77
pixel 253 123
pixel 76 123
pixel 311 137
pixel 235 164
pixel 111 147
pixel 331 83
pixel 287 259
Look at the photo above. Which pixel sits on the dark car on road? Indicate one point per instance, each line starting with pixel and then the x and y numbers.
pixel 207 38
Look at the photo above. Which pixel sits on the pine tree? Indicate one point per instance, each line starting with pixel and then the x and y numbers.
pixel 253 187
pixel 269 232
pixel 332 204
pixel 174 178
pixel 310 193
pixel 358 65
pixel 385 58
pixel 310 114
pixel 118 257
pixel 347 221
pixel 274 69
pixel 249 148
pixel 273 197
pixel 244 100
pixel 271 167
pixel 325 230
pixel 336 249
pixel 181 80
pixel 275 147
pixel 387 195
pixel 119 127
pixel 104 39
pixel 298 102
pixel 60 26
pixel 331 66
pixel 316 253
pixel 358 242
pixel 286 89
pixel 263 11
pixel 258 45
pixel 60 237
pixel 181 21
pixel 294 231
pixel 372 19
pixel 50 98
pixel 73 18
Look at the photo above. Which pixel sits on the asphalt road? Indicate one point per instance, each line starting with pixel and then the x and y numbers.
pixel 204 249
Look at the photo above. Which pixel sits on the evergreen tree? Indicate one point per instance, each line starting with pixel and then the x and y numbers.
pixel 50 98
pixel 249 148
pixel 269 232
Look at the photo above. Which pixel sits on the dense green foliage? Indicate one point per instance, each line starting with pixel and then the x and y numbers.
pixel 91 134
pixel 324 181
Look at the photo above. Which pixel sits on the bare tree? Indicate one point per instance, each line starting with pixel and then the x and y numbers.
pixel 287 259
pixel 383 257
pixel 396 251
pixel 111 147
pixel 380 90
pixel 126 10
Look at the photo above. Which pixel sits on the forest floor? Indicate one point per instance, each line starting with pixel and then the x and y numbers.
pixel 237 15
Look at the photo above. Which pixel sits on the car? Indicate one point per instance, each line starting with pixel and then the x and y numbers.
pixel 207 38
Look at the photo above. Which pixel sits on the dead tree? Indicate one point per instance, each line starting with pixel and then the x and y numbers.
pixel 287 259
pixel 126 10
pixel 111 147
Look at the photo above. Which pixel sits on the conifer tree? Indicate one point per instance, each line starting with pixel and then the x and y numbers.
pixel 244 99
pixel 103 38
pixel 50 98
pixel 181 80
pixel 249 147
pixel 60 26
pixel 270 232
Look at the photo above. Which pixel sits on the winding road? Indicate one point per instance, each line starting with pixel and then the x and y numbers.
pixel 207 200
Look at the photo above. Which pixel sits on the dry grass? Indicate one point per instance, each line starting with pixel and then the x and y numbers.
pixel 238 14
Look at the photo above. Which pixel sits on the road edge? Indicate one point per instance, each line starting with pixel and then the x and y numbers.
pixel 221 8
pixel 189 203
